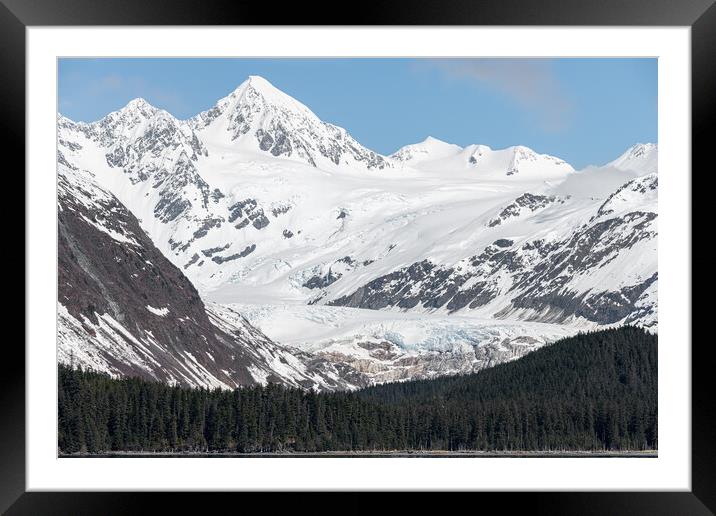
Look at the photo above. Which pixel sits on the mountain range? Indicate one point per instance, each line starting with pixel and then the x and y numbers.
pixel 255 243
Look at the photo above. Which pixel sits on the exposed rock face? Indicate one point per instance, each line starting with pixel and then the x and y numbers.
pixel 526 203
pixel 589 249
pixel 247 212
pixel 630 192
pixel 329 273
pixel 247 251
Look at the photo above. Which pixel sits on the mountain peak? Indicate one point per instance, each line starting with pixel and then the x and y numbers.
pixel 62 120
pixel 641 158
pixel 136 109
pixel 256 89
pixel 259 82
pixel 141 106
pixel 138 103
pixel 430 148
pixel 433 140
pixel 641 148
pixel 522 148
pixel 258 117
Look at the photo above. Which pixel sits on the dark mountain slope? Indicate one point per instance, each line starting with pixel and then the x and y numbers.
pixel 128 311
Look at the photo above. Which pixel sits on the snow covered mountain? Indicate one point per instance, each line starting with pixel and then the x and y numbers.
pixel 641 158
pixel 262 205
pixel 597 264
pixel 486 163
pixel 428 150
pixel 258 118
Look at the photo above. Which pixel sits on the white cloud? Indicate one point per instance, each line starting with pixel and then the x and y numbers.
pixel 532 83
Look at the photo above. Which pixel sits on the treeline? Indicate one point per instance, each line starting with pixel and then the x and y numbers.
pixel 594 391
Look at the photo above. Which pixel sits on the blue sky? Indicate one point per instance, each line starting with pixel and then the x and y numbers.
pixel 586 111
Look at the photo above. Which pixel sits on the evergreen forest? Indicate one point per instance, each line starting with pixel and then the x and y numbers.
pixel 594 391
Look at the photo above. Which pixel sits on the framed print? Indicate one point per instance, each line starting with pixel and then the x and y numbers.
pixel 441 250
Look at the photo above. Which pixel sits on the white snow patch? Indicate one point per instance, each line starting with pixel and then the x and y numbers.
pixel 161 312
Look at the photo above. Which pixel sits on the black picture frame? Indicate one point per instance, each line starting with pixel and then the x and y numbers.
pixel 700 15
